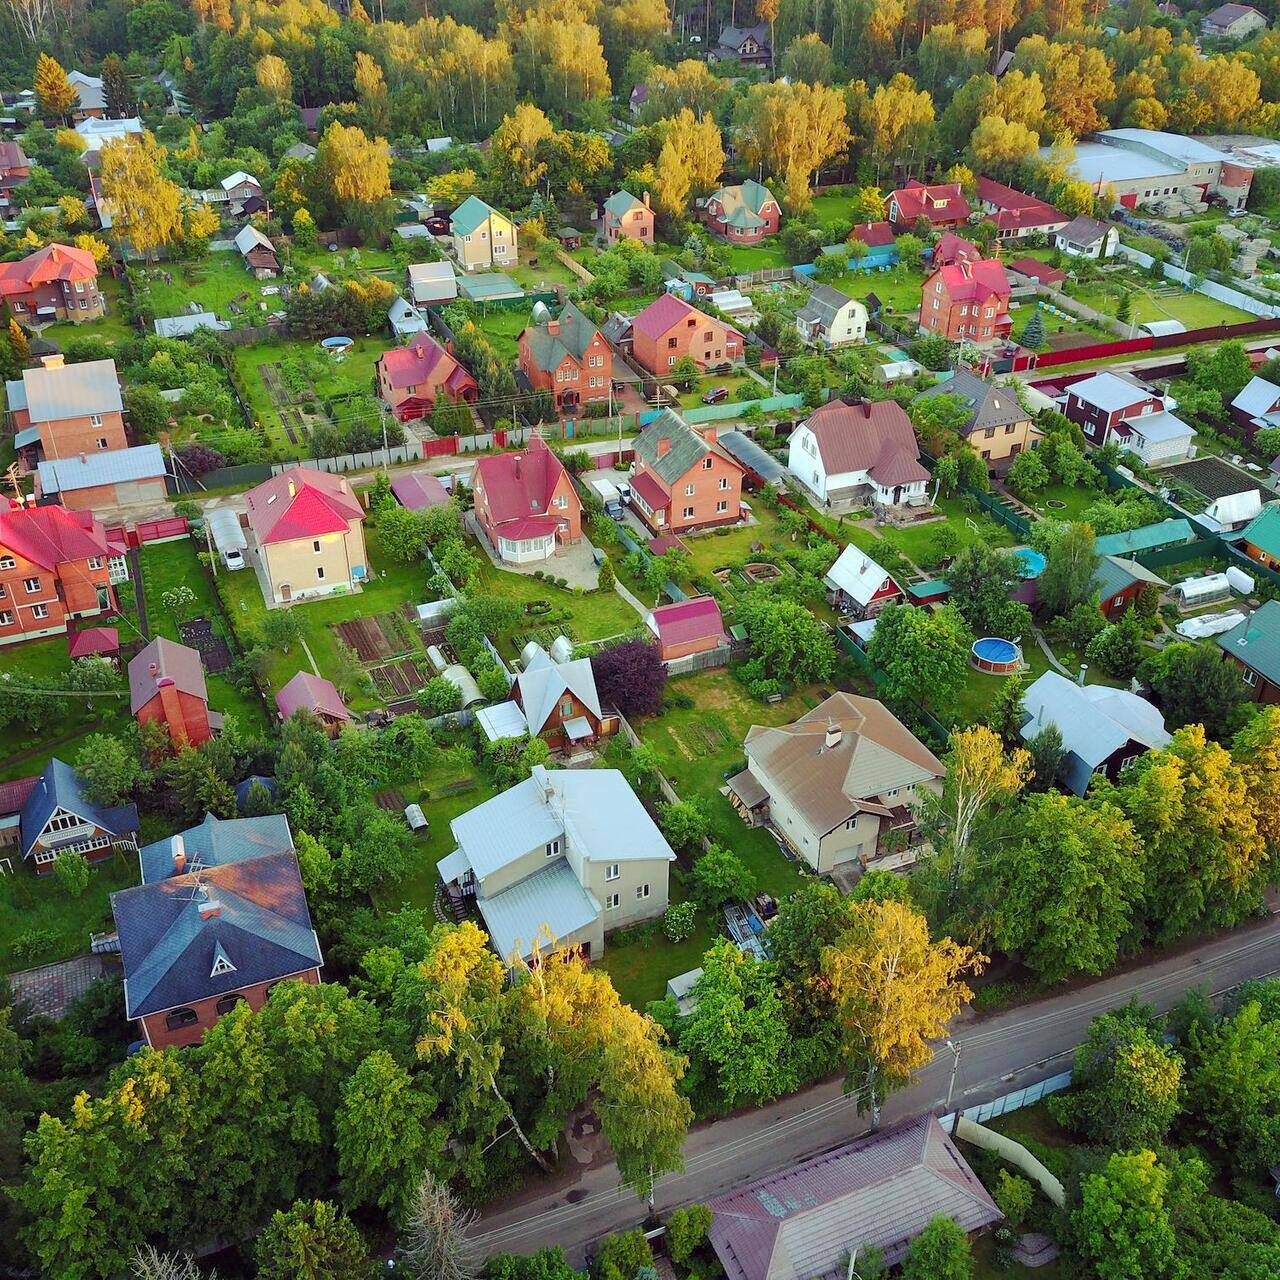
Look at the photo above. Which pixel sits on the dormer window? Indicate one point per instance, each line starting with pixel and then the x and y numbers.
pixel 552 848
pixel 221 963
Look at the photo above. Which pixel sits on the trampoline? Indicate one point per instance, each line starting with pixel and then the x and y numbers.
pixel 995 656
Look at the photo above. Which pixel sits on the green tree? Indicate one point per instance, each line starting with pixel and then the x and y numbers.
pixel 720 876
pixel 1033 331
pixel 1008 710
pixel 402 533
pixel 1028 475
pixel 687 1230
pixel 281 629
pixel 940 1252
pixel 785 638
pixel 312 1240
pixel 807 922
pixel 1194 686
pixel 924 656
pixel 1117 648
pixel 1122 1226
pixel 115 87
pixel 109 769
pixel 439 697
pixel 1071 562
pixel 684 823
pixel 71 873
pixel 1014 1196
pixel 981 582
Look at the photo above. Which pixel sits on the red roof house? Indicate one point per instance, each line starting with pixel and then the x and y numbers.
pixel 410 378
pixel 307 692
pixel 686 627
pixel 1034 269
pixel 669 329
pixel 166 684
pixel 419 491
pixel 967 300
pixel 1016 213
pixel 953 248
pixel 15 169
pixel 526 503
pixel 94 642
pixel 875 235
pixel 942 205
pixel 57 282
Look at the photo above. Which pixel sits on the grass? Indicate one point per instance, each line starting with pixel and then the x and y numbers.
pixel 973 701
pixel 502 326
pixel 832 207
pixel 766 256
pixel 898 290
pixel 112 328
pixel 742 387
pixel 916 542
pixel 30 902
pixel 1160 302
pixel 1073 498
pixel 214 282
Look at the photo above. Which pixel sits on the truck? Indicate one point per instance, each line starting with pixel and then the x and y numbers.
pixel 609 495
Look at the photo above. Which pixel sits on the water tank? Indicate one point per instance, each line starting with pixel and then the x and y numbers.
pixel 1240 581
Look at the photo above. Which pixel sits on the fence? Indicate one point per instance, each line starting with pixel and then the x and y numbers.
pixel 718 657
pixel 735 409
pixel 1000 510
pixel 1210 288
pixel 240 477
pixel 1130 346
pixel 1014 1101
pixel 135 534
pixel 1164 557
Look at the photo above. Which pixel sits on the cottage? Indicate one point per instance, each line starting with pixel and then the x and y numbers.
pixel 58 817
pixel 526 503
pixel 240 187
pixel 1088 238
pixel 1257 406
pixel 952 248
pixel 748 45
pixel 882 248
pixel 859 587
pixel 743 214
pixel 1017 214
pixel 683 478
pixel 57 282
pixel 74 408
pixel 316 695
pixel 998 427
pixel 1232 22
pixel 1254 646
pixel 627 218
pixel 412 378
pixel 258 252
pixel 669 329
pixel 1260 540
pixel 559 859
pixel 969 300
pixel 1102 729
pixel 1109 405
pixel 567 356
pixel 405 319
pixel 687 627
pixel 1119 583
pixel 483 238
pixel 941 205
pixel 556 696
pixel 830 318
pixel 836 783
pixel 167 686
pixel 15 169
pixel 96 482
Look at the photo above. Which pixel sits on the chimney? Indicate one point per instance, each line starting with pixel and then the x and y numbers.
pixel 52 361
pixel 293 489
pixel 664 444
pixel 710 433
pixel 645 198
pixel 834 734
pixel 343 486
pixel 1084 666
pixel 553 327
pixel 866 408
pixel 516 464
pixel 153 669
pixel 178 845
pixel 210 908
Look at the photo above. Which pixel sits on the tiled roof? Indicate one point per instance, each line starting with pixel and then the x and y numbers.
pixel 168 948
pixel 990 406
pixel 875 235
pixel 663 314
pixel 11 155
pixel 214 843
pixel 943 201
pixel 307 692
pixel 178 664
pixel 422 361
pixel 953 248
pixel 72 390
pixel 53 262
pixel 59 787
pixel 301 503
pixel 117 466
pixel 520 485
pixel 873 436
pixel 976 280
pixel 418 491
pixel 686 620
pixel 52 535
pixel 572 339
pixel 650 491
pixel 687 447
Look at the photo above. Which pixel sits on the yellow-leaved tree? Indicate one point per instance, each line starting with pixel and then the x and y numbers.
pixel 691 159
pixel 146 206
pixel 358 167
pixel 792 130
pixel 95 245
pixel 55 95
pixel 518 144
pixel 274 77
pixel 371 89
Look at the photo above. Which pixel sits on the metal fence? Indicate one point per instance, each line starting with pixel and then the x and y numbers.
pixel 1014 1101
pixel 1002 511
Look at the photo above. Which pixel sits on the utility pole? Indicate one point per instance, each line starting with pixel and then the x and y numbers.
pixel 954 1046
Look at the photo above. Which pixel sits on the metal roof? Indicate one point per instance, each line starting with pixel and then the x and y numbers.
pixel 1258 398
pixel 72 390
pixel 687 447
pixel 1256 641
pixel 1111 391
pixel 990 406
pixel 185 325
pixel 857 575
pixel 744 450
pixel 58 787
pixel 1164 533
pixel 118 466
pixel 543 682
pixel 215 842
pixel 502 720
pixel 551 897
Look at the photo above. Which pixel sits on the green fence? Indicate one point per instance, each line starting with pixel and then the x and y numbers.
pixel 1165 557
pixel 997 509
pixel 736 408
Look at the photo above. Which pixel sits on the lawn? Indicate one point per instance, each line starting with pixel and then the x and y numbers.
pixel 697 749
pixel 973 702
pixel 1149 301
pixel 112 328
pixel 743 258
pixel 169 564
pixel 917 541
pixel 1072 499
pixel 742 387
pixel 833 206
pixel 214 283
pixel 30 903
pixel 898 290
pixel 502 326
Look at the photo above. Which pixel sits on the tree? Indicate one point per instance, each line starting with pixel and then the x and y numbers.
pixel 312 1240
pixel 1122 1226
pixel 438 1246
pixel 1033 331
pixel 55 95
pixel 899 117
pixel 109 770
pixel 357 167
pixel 924 656
pixel 1117 647
pixel 806 924
pixel 148 410
pixel 148 1263
pixel 687 1231
pixel 691 160
pixel 281 629
pixel 939 1252
pixel 274 77
pixel 684 822
pixel 1070 565
pixel 630 676
pixel 1028 474
pixel 403 533
pixel 719 877
pixel 1256 749
pixel 982 580
pixel 146 206
pixel 115 87
pixel 1194 686
pixel 18 341
pixel 71 874
pixel 792 130
pixel 785 638
pixel 808 58
pixel 894 992
pixel 519 143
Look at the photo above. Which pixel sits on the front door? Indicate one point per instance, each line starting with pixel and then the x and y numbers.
pixel 286 592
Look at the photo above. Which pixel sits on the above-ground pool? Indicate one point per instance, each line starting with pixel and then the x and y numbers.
pixel 337 347
pixel 995 656
pixel 1031 562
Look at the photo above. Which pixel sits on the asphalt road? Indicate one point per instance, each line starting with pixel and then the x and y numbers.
pixel 998 1054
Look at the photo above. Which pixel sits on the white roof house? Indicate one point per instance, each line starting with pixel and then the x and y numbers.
pixel 240 179
pixel 857 576
pixel 432 284
pixel 185 325
pixel 1100 726
pixel 90 90
pixel 405 318
pixel 97 133
pixel 544 682
pixel 55 392
pixel 1156 437
pixel 1259 402
pixel 249 237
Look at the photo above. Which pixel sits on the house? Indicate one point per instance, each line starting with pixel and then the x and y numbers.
pixel 117 478
pixel 559 859
pixel 526 503
pixel 865 453
pixel 309 529
pixel 554 697
pixel 482 237
pixel 489 286
pixel 1034 269
pixel 830 318
pixel 94 642
pixel 57 282
pixel 687 627
pixel 1232 22
pixel 240 187
pixel 669 329
pixel 74 408
pixel 1015 213
pixel 307 692
pixel 683 479
pixel 567 356
pixel 15 169
pixel 412 378
pixel 1149 537
pixel 1260 540
pixel 300 151
pixel 859 587
pixel 743 214
pixel 953 248
pixel 1119 583
pixel 13 795
pixel 55 567
pixel 882 249
pixel 749 45
pixel 1156 438
pixel 1108 404
pixel 1257 406
pixel 57 817
pixel 1254 646
pixel 91 97
pixel 95 135
pixel 432 284
pixel 419 491
pixel 879 1191
pixel 837 782
pixel 405 319
pixel 998 427
pixel 941 205
pixel 639 96
pixel 967 300
pixel 258 252
pixel 626 218
pixel 1102 729
pixel 220 917
pixel 166 685
pixel 1088 238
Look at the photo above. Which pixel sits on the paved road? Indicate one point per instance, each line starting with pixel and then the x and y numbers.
pixel 998 1055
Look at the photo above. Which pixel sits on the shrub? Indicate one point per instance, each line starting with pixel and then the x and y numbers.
pixel 679 921
pixel 621 1256
pixel 1013 1195
pixel 71 873
pixel 33 944
pixel 686 1231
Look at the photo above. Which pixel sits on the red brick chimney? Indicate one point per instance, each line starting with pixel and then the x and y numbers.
pixel 210 908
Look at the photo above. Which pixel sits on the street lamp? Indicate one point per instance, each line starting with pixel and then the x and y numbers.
pixel 954 1046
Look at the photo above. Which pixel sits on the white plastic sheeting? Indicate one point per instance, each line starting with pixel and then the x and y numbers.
pixel 1212 624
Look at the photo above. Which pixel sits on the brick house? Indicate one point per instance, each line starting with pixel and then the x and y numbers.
pixel 411 378
pixel 57 817
pixel 220 917
pixel 166 684
pixel 953 248
pixel 15 169
pixel 53 283
pixel 626 218
pixel 1100 405
pixel 669 328
pixel 687 627
pixel 1015 213
pixel 567 356
pixel 526 503
pixel 68 409
pixel 683 479
pixel 96 482
pixel 942 205
pixel 55 566
pixel 743 214
pixel 967 299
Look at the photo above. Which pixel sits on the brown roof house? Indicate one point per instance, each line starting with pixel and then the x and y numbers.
pixel 166 684
pixel 881 1190
pixel 998 427
pixel 838 783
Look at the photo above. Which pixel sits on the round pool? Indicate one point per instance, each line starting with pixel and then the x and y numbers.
pixel 1031 561
pixel 337 347
pixel 995 656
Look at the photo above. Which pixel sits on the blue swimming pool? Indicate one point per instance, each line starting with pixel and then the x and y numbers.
pixel 1032 562
pixel 995 656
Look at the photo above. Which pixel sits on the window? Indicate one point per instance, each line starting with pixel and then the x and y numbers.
pixel 180 1018
pixel 671 360
pixel 40 611
pixel 889 795
pixel 95 419
pixel 724 482
pixel 642 892
pixel 95 562
pixel 566 706
pixel 7 562
pixel 6 618
pixel 671 344
pixel 1250 676
pixel 612 901
pixel 102 442
pixel 612 871
pixel 315 546
pixel 319 573
pixel 850 823
pixel 32 585
pixel 988 433
pixel 722 508
pixel 706 463
pixel 552 847
pixel 227 1003
pixel 688 491
pixel 688 513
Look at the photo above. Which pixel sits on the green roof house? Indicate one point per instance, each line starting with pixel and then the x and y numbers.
pixel 627 218
pixel 483 238
pixel 744 214
pixel 1255 646
pixel 567 356
pixel 1261 538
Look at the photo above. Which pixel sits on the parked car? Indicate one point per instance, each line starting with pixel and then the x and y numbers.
pixel 233 560
pixel 715 395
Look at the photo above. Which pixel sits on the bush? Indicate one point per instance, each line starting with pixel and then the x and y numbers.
pixel 720 876
pixel 621 1256
pixel 71 873
pixel 1013 1195
pixel 33 944
pixel 686 1231
pixel 679 921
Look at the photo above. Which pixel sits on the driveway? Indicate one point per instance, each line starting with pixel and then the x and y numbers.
pixel 574 563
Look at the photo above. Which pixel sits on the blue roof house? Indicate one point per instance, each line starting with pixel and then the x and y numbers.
pixel 59 818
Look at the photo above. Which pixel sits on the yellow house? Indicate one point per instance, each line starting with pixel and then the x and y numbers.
pixel 482 237
pixel 308 529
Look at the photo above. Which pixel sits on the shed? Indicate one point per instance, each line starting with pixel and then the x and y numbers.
pixel 224 528
pixel 1163 328
pixel 419 491
pixel 94 642
pixel 502 720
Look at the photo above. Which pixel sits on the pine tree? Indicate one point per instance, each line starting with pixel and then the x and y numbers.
pixel 1033 331
pixel 115 87
pixel 18 341
pixel 53 90
pixel 1124 310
